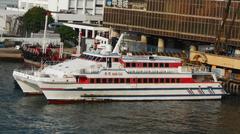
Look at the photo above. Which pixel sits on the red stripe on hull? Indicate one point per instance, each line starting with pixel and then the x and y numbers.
pixel 52 88
pixel 62 101
pixel 32 94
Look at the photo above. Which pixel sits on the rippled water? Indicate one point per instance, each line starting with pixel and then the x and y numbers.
pixel 25 114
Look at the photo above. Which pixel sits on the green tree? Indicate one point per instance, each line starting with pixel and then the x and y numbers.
pixel 34 19
pixel 67 34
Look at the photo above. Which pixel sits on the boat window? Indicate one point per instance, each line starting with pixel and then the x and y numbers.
pixel 167 80
pixel 156 80
pixel 161 80
pixel 110 80
pixel 127 80
pixel 145 80
pixel 98 80
pixel 150 80
pixel 82 56
pixel 89 58
pixel 178 80
pixel 150 65
pixel 155 64
pixel 116 80
pixel 92 80
pixel 172 80
pixel 94 58
pixel 144 64
pixel 133 64
pixel 104 80
pixel 139 80
pixel 161 65
pixel 97 59
pixel 103 60
pixel 167 65
pixel 121 80
pixel 139 65
pixel 127 64
pixel 115 60
pixel 86 56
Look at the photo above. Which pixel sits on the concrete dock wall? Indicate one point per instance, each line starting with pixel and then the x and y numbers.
pixel 10 54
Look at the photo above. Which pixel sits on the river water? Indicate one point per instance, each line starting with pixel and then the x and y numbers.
pixel 32 114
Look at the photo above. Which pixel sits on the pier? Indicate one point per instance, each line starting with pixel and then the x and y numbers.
pixel 10 54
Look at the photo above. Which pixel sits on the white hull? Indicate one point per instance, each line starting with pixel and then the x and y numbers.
pixel 27 83
pixel 29 88
pixel 129 95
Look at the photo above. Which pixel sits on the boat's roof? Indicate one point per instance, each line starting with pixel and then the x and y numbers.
pixel 68 66
pixel 101 55
pixel 137 57
pixel 151 58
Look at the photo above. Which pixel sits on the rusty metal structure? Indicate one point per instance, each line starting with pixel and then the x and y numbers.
pixel 197 20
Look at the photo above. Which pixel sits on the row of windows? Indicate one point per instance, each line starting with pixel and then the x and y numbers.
pixel 98 59
pixel 134 80
pixel 147 65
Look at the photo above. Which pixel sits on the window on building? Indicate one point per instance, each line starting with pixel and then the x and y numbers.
pixel 167 80
pixel 155 80
pixel 177 80
pixel 122 80
pixel 172 80
pixel 155 64
pixel 127 64
pixel 161 80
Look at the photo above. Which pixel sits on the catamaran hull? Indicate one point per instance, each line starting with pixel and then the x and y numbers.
pixel 65 96
pixel 29 88
pixel 27 83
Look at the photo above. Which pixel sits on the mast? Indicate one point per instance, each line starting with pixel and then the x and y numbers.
pixel 79 43
pixel 44 34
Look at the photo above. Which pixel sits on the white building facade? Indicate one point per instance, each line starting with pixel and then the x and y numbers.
pixel 90 11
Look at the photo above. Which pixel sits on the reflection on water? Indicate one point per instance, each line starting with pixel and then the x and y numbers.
pixel 32 114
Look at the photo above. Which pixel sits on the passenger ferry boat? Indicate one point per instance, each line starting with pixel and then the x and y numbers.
pixel 27 79
pixel 109 75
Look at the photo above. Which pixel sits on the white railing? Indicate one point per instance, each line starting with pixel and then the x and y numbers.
pixel 32 40
pixel 26 71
